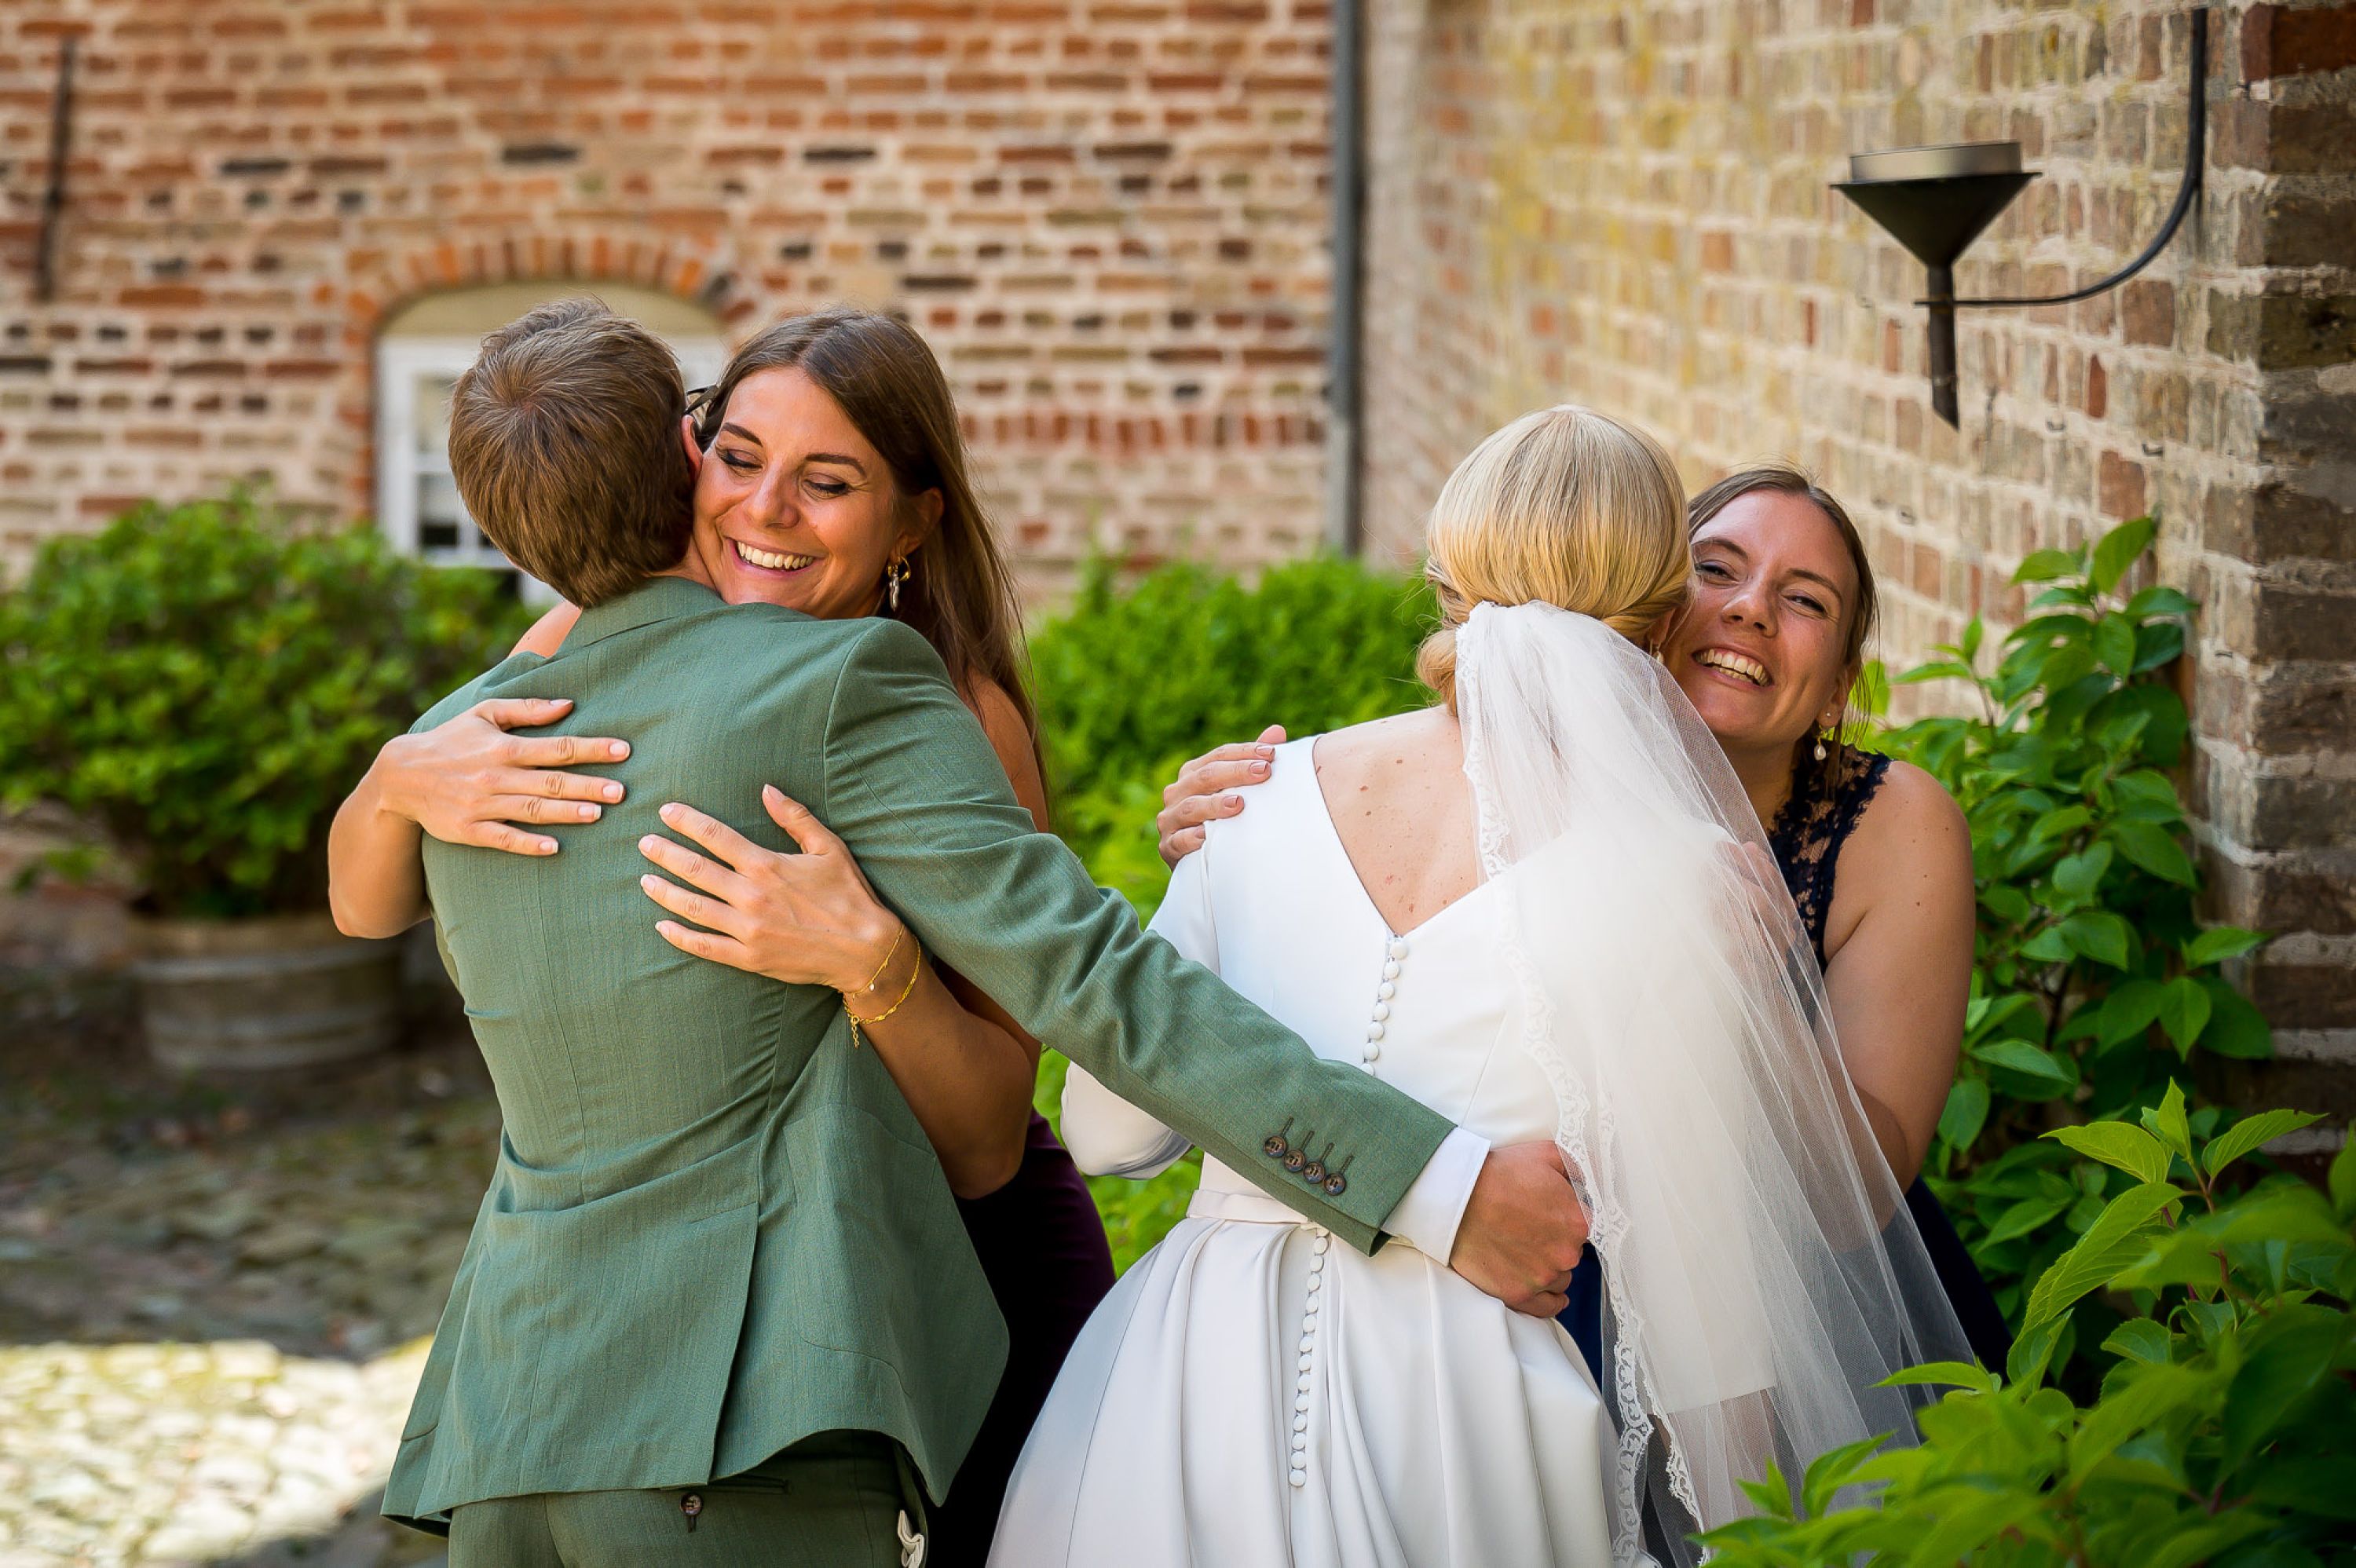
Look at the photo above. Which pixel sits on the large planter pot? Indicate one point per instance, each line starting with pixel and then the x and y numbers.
pixel 247 995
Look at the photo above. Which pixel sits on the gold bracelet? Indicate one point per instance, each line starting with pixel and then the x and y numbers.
pixel 889 953
pixel 906 992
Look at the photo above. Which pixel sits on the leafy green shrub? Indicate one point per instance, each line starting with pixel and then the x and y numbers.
pixel 2225 1431
pixel 203 683
pixel 2094 979
pixel 1131 685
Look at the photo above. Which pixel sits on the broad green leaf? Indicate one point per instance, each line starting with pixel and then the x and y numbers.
pixel 1831 1471
pixel 2156 602
pixel 2249 1133
pixel 2099 936
pixel 1965 1113
pixel 1772 1492
pixel 2154 848
pixel 2166 1121
pixel 2132 1007
pixel 1933 1375
pixel 2048 946
pixel 2028 1214
pixel 2117 551
pixel 2060 820
pixel 2116 1240
pixel 2293 1353
pixel 2045 565
pixel 2131 1150
pixel 2235 1028
pixel 2114 643
pixel 2141 1339
pixel 2218 943
pixel 2052 1075
pixel 2184 1008
pixel 2149 1397
pixel 2342 1178
pixel 2032 1351
pixel 2078 875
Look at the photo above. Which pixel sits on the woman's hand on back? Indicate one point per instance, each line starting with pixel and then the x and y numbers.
pixel 810 919
pixel 469 780
pixel 1198 792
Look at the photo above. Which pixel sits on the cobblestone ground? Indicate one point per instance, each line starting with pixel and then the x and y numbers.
pixel 213 1297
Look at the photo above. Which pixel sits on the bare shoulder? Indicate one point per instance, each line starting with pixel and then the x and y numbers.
pixel 1010 737
pixel 1911 829
pixel 547 632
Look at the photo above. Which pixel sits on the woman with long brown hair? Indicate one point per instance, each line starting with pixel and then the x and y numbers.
pixel 830 479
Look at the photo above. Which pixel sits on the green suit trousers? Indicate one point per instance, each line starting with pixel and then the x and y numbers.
pixel 835 1500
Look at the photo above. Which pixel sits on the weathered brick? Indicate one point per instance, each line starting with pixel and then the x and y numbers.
pixel 2283 40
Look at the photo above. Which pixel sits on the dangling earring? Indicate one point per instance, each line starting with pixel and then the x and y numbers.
pixel 893 575
pixel 1824 728
pixel 1820 748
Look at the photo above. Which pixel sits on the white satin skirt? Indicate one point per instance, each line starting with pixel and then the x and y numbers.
pixel 1255 1394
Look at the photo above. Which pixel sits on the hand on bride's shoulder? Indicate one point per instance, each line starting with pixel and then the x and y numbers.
pixel 1199 793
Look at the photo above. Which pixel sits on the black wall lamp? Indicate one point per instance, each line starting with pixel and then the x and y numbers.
pixel 1936 200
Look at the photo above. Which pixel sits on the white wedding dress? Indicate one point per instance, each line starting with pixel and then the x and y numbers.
pixel 1629 980
pixel 1252 1395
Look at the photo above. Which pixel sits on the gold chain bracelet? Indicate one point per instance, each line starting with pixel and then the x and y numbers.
pixel 906 992
pixel 889 953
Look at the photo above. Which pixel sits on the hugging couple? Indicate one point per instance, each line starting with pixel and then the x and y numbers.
pixel 1463 988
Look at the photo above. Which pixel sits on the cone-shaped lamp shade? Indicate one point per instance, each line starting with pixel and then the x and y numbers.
pixel 1935 219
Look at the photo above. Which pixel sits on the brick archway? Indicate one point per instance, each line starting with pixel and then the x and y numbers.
pixel 377 282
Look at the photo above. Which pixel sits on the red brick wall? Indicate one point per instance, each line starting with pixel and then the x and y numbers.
pixel 1628 206
pixel 1107 216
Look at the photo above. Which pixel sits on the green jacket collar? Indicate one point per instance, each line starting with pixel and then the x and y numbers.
pixel 656 599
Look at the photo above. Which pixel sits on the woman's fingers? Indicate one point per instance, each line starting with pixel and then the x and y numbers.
pixel 1222 767
pixel 729 846
pixel 688 904
pixel 707 945
pixel 550 785
pixel 513 840
pixel 697 869
pixel 564 750
pixel 1176 847
pixel 805 830
pixel 540 811
pixel 523 712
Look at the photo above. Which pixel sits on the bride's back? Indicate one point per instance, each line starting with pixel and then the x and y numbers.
pixel 1403 810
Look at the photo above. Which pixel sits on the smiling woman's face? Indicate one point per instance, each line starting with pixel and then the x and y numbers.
pixel 1761 649
pixel 794 507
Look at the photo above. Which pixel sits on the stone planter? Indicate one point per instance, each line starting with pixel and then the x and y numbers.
pixel 248 995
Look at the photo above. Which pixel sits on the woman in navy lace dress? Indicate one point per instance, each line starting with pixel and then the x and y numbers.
pixel 1876 855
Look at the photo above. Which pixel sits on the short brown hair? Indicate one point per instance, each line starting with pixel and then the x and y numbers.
pixel 564 442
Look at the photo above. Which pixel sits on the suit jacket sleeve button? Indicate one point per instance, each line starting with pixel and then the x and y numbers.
pixel 1336 1186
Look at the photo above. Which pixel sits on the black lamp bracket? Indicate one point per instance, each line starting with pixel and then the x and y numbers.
pixel 2196 123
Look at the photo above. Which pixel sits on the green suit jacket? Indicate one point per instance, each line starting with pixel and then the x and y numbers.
pixel 714 1227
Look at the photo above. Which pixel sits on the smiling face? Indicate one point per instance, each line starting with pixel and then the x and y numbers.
pixel 794 507
pixel 1762 651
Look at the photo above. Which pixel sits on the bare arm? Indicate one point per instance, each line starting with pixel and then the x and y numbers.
pixel 964 1068
pixel 1898 968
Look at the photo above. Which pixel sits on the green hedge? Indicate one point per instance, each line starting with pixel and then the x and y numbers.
pixel 204 683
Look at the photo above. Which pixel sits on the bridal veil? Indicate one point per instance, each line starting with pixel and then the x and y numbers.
pixel 1762 1275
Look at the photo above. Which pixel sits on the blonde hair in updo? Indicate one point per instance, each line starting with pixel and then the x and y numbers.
pixel 1566 507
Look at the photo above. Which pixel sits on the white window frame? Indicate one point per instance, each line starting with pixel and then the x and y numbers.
pixel 402 469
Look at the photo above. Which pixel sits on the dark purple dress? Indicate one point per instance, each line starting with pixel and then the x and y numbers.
pixel 1828 799
pixel 1043 1247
